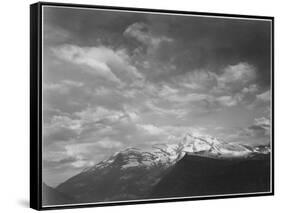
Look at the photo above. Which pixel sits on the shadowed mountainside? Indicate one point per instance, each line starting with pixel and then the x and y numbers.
pixel 119 180
pixel 52 197
pixel 195 176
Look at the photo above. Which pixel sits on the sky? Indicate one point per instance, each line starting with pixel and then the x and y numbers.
pixel 113 80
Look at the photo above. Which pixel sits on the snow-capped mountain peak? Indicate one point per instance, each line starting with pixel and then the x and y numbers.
pixel 213 146
pixel 165 155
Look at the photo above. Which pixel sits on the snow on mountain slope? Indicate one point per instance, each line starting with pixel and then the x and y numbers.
pixel 165 155
pixel 160 155
pixel 213 147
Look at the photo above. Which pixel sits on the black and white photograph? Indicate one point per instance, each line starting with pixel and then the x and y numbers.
pixel 152 106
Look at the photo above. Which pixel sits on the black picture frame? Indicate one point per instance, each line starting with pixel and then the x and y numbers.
pixel 36 104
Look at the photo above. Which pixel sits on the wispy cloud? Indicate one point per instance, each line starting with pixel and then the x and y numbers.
pixel 103 61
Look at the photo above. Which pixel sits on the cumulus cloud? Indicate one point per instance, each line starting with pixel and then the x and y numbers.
pixel 235 77
pixel 143 33
pixel 199 80
pixel 232 79
pixel 253 88
pixel 263 122
pixel 232 86
pixel 151 129
pixel 264 97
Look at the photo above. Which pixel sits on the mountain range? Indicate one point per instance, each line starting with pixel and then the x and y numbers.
pixel 197 165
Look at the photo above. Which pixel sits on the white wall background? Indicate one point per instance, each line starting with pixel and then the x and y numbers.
pixel 14 106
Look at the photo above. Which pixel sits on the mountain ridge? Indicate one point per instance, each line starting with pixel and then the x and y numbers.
pixel 195 145
pixel 133 173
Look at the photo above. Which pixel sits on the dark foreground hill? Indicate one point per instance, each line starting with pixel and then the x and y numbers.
pixel 52 197
pixel 195 176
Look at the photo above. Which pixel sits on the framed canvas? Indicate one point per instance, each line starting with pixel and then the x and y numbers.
pixel 132 106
